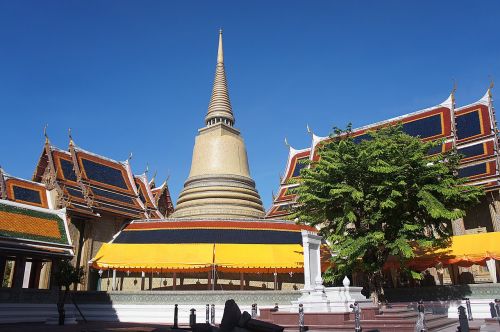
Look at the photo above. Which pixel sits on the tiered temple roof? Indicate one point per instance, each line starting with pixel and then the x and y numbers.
pixel 471 129
pixel 32 229
pixel 89 184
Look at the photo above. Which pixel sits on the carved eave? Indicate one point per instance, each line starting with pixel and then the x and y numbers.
pixel 3 188
pixel 162 197
pixel 86 191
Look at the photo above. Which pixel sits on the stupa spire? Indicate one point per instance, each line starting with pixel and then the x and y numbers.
pixel 219 108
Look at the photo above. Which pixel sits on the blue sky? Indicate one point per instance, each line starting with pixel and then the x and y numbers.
pixel 136 76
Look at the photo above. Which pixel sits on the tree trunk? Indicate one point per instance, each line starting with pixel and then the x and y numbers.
pixel 375 283
pixel 60 305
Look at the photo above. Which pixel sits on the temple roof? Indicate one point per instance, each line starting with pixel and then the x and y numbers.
pixel 22 191
pixel 220 105
pixel 470 128
pixel 90 184
pixel 38 230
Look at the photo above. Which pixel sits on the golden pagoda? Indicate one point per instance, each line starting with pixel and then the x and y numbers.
pixel 219 183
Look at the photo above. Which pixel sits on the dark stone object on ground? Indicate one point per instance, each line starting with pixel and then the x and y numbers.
pixel 231 316
pixel 235 321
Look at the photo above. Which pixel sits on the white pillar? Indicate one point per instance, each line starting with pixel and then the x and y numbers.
pixel 312 262
pixel 492 268
pixel 113 282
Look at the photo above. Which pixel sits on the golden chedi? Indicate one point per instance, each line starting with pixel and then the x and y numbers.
pixel 219 183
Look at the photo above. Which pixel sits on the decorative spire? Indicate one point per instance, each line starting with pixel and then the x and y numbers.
pixel 45 134
pixel 71 143
pixel 219 108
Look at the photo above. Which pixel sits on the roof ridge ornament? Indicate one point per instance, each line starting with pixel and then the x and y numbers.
pixel 45 133
pixel 309 130
pixel 71 142
pixel 452 93
pixel 492 85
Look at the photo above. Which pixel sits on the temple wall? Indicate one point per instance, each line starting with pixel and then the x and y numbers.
pixel 198 281
pixel 96 232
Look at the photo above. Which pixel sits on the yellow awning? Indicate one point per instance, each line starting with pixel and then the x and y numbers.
pixel 259 257
pixel 282 258
pixel 147 257
pixel 464 250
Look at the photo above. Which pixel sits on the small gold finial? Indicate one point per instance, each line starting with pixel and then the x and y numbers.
pixel 286 142
pixel 45 133
pixel 220 51
pixel 453 90
pixel 70 137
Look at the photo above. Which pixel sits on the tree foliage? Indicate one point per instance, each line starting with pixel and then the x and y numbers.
pixel 381 196
pixel 66 274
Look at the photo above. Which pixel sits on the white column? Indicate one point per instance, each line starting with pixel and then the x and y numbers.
pixel 492 268
pixel 113 282
pixel 312 262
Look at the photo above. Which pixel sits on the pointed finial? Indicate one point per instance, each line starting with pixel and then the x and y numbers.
pixel 130 156
pixel 220 52
pixel 309 130
pixel 286 142
pixel 492 84
pixel 70 137
pixel 154 177
pixel 452 94
pixel 146 171
pixel 45 133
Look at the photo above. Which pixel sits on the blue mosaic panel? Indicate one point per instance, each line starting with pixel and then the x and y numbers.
pixel 75 192
pixel 468 125
pixel 141 196
pixel 27 195
pixel 472 151
pixel 472 170
pixel 67 170
pixel 426 127
pixel 435 150
pixel 363 137
pixel 113 195
pixel 299 165
pixel 104 174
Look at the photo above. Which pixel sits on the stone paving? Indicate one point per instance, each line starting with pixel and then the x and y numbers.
pixel 82 327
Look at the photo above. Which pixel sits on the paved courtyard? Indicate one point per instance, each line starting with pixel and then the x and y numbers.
pixel 82 327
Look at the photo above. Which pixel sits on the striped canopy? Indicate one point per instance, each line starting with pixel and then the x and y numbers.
pixel 195 246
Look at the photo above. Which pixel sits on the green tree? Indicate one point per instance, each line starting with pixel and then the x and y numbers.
pixel 65 275
pixel 379 197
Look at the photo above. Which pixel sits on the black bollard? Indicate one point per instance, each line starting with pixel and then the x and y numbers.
pixel 462 320
pixel 301 318
pixel 212 314
pixel 469 308
pixel 254 310
pixel 357 316
pixel 207 313
pixel 176 316
pixel 497 307
pixel 192 317
pixel 420 326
